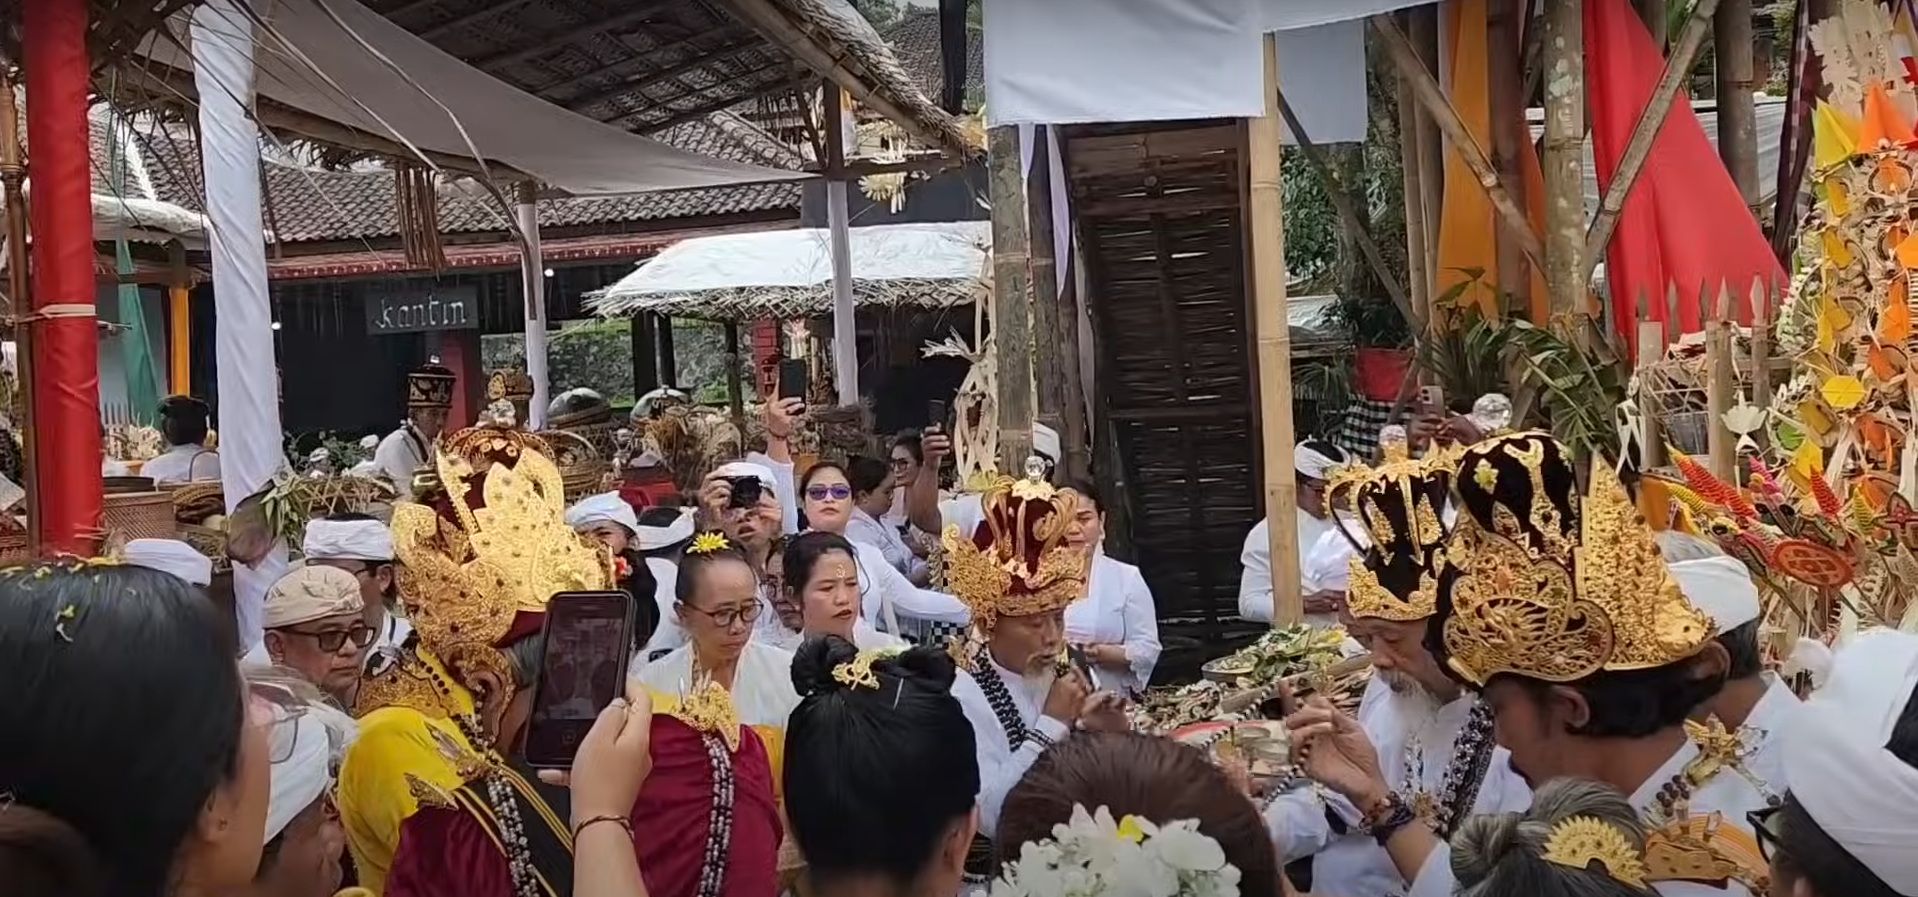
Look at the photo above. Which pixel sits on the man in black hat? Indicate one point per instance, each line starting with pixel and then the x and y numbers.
pixel 429 396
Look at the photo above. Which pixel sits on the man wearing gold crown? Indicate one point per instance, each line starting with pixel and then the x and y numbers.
pixel 1559 611
pixel 1434 737
pixel 1016 574
pixel 429 396
pixel 480 552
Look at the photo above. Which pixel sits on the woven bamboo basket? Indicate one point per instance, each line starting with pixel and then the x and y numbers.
pixel 13 541
pixel 581 470
pixel 208 541
pixel 140 515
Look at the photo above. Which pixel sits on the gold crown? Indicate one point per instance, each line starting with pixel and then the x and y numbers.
pixel 1580 841
pixel 1568 589
pixel 487 544
pixel 1016 563
pixel 1397 506
pixel 511 385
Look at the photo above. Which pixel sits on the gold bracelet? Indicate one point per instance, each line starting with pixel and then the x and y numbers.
pixel 621 821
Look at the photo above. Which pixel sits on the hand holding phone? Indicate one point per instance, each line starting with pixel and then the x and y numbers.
pixel 794 378
pixel 746 492
pixel 588 646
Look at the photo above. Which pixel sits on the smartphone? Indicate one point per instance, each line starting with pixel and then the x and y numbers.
pixel 1432 398
pixel 746 492
pixel 936 414
pixel 589 643
pixel 793 378
pixel 1076 655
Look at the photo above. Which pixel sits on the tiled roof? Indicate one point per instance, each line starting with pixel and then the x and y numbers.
pixel 315 205
pixel 915 41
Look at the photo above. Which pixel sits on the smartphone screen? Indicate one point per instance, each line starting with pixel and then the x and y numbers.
pixel 1077 656
pixel 936 414
pixel 792 378
pixel 589 640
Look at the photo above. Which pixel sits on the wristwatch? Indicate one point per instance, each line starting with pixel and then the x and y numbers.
pixel 1385 817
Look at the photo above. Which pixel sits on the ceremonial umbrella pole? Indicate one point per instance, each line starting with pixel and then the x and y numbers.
pixel 64 342
pixel 13 175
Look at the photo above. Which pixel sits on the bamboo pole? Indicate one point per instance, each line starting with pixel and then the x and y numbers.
pixel 1412 171
pixel 1342 205
pixel 1721 383
pixel 1423 31
pixel 179 323
pixel 13 174
pixel 1427 92
pixel 1639 147
pixel 1048 344
pixel 1563 158
pixel 1264 210
pixel 1732 41
pixel 1011 298
pixel 1507 118
pixel 1651 349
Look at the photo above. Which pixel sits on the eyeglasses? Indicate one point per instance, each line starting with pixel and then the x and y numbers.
pixel 901 463
pixel 727 616
pixel 821 493
pixel 1764 832
pixel 331 640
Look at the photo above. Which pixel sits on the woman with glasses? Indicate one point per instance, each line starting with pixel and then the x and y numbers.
pixel 886 598
pixel 717 604
pixel 316 627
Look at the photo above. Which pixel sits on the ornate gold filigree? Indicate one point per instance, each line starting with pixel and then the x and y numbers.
pixel 1702 849
pixel 426 794
pixel 857 672
pixel 1401 537
pixel 1026 567
pixel 1581 841
pixel 1530 600
pixel 707 708
pixel 511 385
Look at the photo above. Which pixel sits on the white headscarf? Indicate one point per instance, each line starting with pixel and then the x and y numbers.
pixel 760 472
pixel 1721 588
pixel 311 739
pixel 170 556
pixel 651 538
pixel 1836 764
pixel 348 540
pixel 1316 459
pixel 1045 441
pixel 606 507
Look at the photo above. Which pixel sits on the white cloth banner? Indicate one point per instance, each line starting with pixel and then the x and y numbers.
pixel 343 62
pixel 249 403
pixel 1080 61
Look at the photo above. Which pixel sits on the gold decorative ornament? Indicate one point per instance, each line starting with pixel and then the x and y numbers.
pixel 708 708
pixel 1703 849
pixel 857 672
pixel 1401 537
pixel 1581 841
pixel 1533 596
pixel 489 542
pixel 1017 562
pixel 510 385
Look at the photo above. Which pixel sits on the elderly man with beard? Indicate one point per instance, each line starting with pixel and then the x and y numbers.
pixel 1557 609
pixel 1435 737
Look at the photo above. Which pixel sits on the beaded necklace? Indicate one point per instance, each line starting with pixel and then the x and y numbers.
pixel 499 793
pixel 986 673
pixel 1464 773
pixel 719 819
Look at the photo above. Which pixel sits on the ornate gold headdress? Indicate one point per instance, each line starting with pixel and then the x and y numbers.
pixel 1542 584
pixel 487 545
pixel 1580 841
pixel 511 385
pixel 1398 506
pixel 1017 563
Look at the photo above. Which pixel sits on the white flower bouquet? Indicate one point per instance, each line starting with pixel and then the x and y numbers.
pixel 1094 856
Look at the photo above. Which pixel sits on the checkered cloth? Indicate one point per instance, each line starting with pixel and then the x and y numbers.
pixel 1359 427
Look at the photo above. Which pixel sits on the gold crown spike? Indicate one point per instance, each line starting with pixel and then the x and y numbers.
pixel 1580 841
pixel 1397 508
pixel 1016 563
pixel 493 543
pixel 1546 585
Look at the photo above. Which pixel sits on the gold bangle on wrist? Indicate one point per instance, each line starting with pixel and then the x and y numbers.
pixel 621 821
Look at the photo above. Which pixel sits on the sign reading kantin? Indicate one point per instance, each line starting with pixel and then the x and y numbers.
pixel 418 310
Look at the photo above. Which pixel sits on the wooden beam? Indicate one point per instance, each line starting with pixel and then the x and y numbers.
pixel 551 42
pixel 1563 158
pixel 1266 229
pixel 1639 147
pixel 1011 300
pixel 1048 344
pixel 1426 91
pixel 1412 173
pixel 859 168
pixel 1721 384
pixel 1342 204
pixel 1732 41
pixel 457 22
pixel 1509 137
pixel 638 83
pixel 704 107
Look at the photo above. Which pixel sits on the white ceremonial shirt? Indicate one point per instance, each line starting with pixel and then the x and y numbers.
pixel 864 637
pixel 1415 754
pixel 762 692
pixel 1255 582
pixel 864 528
pixel 403 452
pixel 1117 610
pixel 183 464
pixel 885 593
pixel 1729 794
pixel 1001 766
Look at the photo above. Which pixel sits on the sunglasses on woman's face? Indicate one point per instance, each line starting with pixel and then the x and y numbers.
pixel 821 493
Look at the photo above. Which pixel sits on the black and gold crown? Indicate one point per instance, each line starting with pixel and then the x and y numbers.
pixel 430 386
pixel 1398 511
pixel 509 385
pixel 1016 563
pixel 1543 583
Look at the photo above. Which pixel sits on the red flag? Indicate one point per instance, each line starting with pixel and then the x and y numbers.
pixel 1684 224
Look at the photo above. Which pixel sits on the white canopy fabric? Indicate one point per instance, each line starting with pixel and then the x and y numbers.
pixel 1084 61
pixel 789 272
pixel 341 61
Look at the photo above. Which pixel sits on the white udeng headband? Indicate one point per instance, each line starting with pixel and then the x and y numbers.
pixel 1836 764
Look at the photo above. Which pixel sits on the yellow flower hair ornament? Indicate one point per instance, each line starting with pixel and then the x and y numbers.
pixel 708 543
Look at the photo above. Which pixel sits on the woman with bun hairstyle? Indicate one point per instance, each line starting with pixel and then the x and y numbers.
pixel 1144 785
pixel 881 777
pixel 820 592
pixel 133 760
pixel 1579 839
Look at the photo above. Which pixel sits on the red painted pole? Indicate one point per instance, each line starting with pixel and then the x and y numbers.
pixel 64 344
